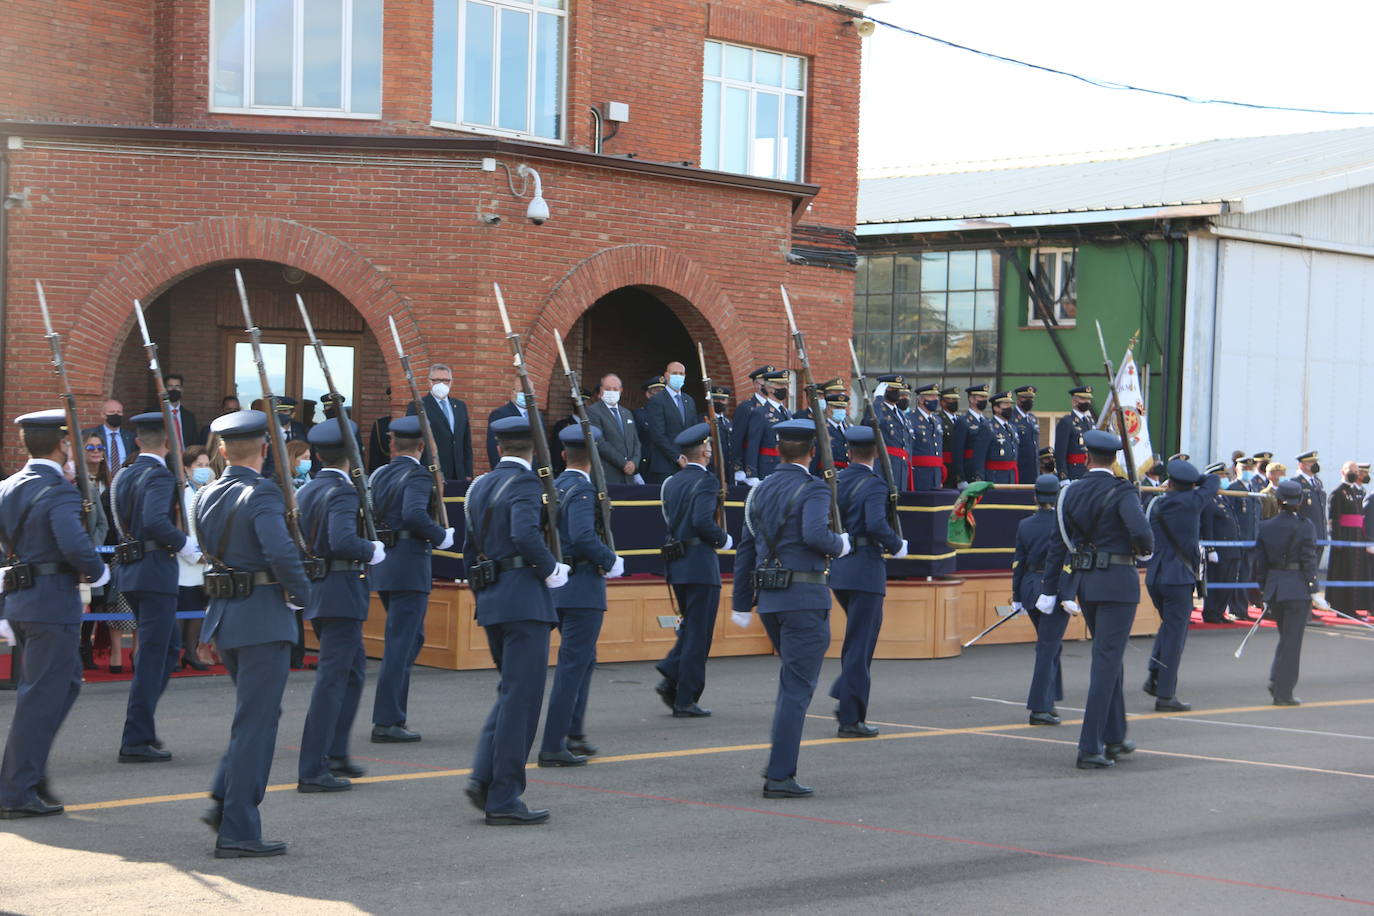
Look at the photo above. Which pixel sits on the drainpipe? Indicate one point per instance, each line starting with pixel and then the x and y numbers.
pixel 4 269
pixel 1167 350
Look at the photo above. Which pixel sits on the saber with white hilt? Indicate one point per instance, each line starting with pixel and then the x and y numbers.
pixel 165 404
pixel 1255 626
pixel 993 627
pixel 439 510
pixel 826 459
pixel 595 470
pixel 59 368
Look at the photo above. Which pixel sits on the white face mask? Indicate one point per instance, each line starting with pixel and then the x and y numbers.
pixel 676 381
pixel 610 398
pixel 439 390
pixel 520 399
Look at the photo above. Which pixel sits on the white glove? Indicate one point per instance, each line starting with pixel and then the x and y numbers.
pixel 844 539
pixel 1017 606
pixel 739 477
pixel 447 541
pixel 559 577
pixel 1145 559
pixel 729 542
pixel 103 579
pixel 1213 557
pixel 6 633
pixel 901 551
pixel 1319 602
pixel 378 553
pixel 1369 550
pixel 752 481
pixel 617 569
pixel 1044 604
pixel 1072 608
pixel 190 548
pixel 639 479
pixel 741 619
pixel 3 570
pixel 293 607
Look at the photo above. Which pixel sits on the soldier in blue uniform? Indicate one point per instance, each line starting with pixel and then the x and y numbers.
pixel 961 441
pixel 892 416
pixel 1219 523
pixel 1103 530
pixel 338 606
pixel 860 579
pixel 1246 510
pixel 652 386
pixel 256 581
pixel 928 466
pixel 1070 457
pixel 1313 495
pixel 780 568
pixel 1033 538
pixel 401 493
pixel 692 570
pixel 47 549
pixel 1027 434
pixel 581 604
pixel 146 503
pixel 828 387
pixel 1172 574
pixel 720 397
pixel 739 424
pixel 1046 458
pixel 995 445
pixel 949 419
pixel 837 425
pixel 1261 478
pixel 513 575
pixel 1286 555
pixel 761 444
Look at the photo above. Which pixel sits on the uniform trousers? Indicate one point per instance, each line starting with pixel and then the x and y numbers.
pixel 405 636
pixel 1218 600
pixel 1047 679
pixel 800 638
pixel 339 679
pixel 49 681
pixel 685 664
pixel 521 652
pixel 578 629
pixel 159 649
pixel 1104 718
pixel 925 479
pixel 1175 606
pixel 259 674
pixel 863 620
pixel 1238 599
pixel 1291 617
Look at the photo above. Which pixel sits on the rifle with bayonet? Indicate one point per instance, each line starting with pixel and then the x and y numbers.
pixel 717 447
pixel 276 441
pixel 597 472
pixel 879 441
pixel 350 441
pixel 543 459
pixel 1117 409
pixel 165 402
pixel 59 368
pixel 813 394
pixel 439 510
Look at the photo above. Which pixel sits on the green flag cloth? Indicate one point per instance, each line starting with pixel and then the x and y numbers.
pixel 961 524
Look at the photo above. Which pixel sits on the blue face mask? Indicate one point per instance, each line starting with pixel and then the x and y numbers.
pixel 1247 475
pixel 676 381
pixel 201 476
pixel 520 399
pixel 839 413
pixel 302 468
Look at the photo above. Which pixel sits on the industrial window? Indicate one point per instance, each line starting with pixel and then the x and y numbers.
pixel 931 315
pixel 498 66
pixel 318 58
pixel 751 111
pixel 1057 276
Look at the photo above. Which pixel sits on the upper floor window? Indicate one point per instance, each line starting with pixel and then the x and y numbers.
pixel 313 57
pixel 1056 275
pixel 751 112
pixel 498 66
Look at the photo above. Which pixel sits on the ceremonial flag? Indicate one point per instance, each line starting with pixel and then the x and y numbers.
pixel 1128 387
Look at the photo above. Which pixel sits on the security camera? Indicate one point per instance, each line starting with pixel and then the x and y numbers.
pixel 864 27
pixel 538 210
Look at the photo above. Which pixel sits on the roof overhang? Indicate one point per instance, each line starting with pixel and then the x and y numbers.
pixel 1031 220
pixel 1304 190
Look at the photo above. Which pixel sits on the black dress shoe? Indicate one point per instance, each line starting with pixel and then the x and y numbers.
pixel 1171 704
pixel 1120 749
pixel 667 692
pixel 116 669
pixel 343 766
pixel 1094 761
pixel 786 788
pixel 578 744
pixel 35 808
pixel 326 783
pixel 87 659
pixel 190 662
pixel 143 753
pixel 249 849
pixel 857 730
pixel 393 734
pixel 45 792
pixel 477 794
pixel 522 817
pixel 562 759
pixel 213 816
pixel 1287 701
pixel 690 712
pixel 1044 718
pixel 1151 685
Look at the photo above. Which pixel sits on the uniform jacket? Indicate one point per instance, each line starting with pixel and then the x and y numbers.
pixel 689 511
pixel 761 438
pixel 897 434
pixel 665 422
pixel 583 548
pixel 863 506
pixel 453 442
pixel 619 441
pixel 839 447
pixel 1108 508
pixel 507 409
pixel 145 496
pixel 961 442
pixel 927 434
pixel 1283 540
pixel 1313 506
pixel 51 533
pixel 379 443
pixel 994 440
pixel 329 523
pixel 739 430
pixel 1027 446
pixel 727 445
pixel 1178 515
pixel 802 538
pixel 401 493
pixel 1246 510
pixel 511 528
pixel 1068 440
pixel 1219 523
pixel 1033 539
pixel 257 542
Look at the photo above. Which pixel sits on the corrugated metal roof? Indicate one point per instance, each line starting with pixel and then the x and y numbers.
pixel 1266 171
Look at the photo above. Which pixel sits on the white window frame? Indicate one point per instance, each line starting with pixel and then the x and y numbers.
pixel 754 87
pixel 1060 319
pixel 297 69
pixel 534 8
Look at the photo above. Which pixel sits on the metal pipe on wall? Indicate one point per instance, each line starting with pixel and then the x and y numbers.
pixel 4 269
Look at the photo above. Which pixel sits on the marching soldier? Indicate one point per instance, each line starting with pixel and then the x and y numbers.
pixel 720 396
pixel 1070 456
pixel 860 579
pixel 780 568
pixel 146 501
pixel 761 443
pixel 892 416
pixel 580 604
pixel 47 548
pixel 1261 478
pixel 692 570
pixel 1027 434
pixel 256 581
pixel 995 445
pixel 401 494
pixel 1286 555
pixel 928 466
pixel 513 576
pixel 966 429
pixel 1104 531
pixel 739 424
pixel 338 606
pixel 1220 523
pixel 949 420
pixel 1033 537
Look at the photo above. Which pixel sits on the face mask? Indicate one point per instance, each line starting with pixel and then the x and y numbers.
pixel 439 390
pixel 1351 478
pixel 980 406
pixel 1026 405
pixel 839 413
pixel 930 406
pixel 676 381
pixel 520 399
pixel 1316 468
pixel 1247 475
pixel 174 395
pixel 1008 413
pixel 302 468
pixel 904 403
pixel 69 469
pixel 610 398
pixel 201 476
pixel 114 420
pixel 780 394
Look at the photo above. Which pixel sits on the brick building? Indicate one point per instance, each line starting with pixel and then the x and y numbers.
pixel 370 156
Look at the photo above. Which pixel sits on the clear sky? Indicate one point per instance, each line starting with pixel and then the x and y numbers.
pixel 925 103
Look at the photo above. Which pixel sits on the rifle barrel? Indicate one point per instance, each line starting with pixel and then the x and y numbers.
pixel 435 469
pixel 879 442
pixel 59 368
pixel 595 470
pixel 826 458
pixel 717 447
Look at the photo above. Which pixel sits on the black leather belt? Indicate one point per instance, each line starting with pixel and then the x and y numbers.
pixel 1291 567
pixel 1035 569
pixel 344 566
pixel 801 577
pixel 510 563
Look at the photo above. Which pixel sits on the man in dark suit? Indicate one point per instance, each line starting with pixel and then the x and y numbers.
pixel 515 407
pixel 119 442
pixel 183 420
pixel 1285 567
pixel 619 446
pixel 379 439
pixel 448 418
pixel 668 413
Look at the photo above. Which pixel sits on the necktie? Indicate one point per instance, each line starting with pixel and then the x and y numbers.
pixel 176 423
pixel 447 409
pixel 615 412
pixel 681 406
pixel 112 451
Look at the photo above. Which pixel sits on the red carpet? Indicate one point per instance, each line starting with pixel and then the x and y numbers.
pixel 101 672
pixel 1330 618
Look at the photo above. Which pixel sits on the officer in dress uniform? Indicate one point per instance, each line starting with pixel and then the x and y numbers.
pixel 651 386
pixel 892 416
pixel 1261 478
pixel 761 444
pixel 827 388
pixel 1313 494
pixel 1172 574
pixel 860 579
pixel 1027 435
pixel 1220 523
pixel 256 581
pixel 291 428
pixel 1070 457
pixel 995 444
pixel 720 397
pixel 581 604
pixel 949 420
pixel 1033 537
pixel 739 424
pixel 1105 529
pixel 513 576
pixel 47 548
pixel 1046 458
pixel 1246 510
pixel 837 425
pixel 692 570
pixel 1286 555
pixel 338 606
pixel 402 491
pixel 780 568
pixel 928 466
pixel 965 430
pixel 146 499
